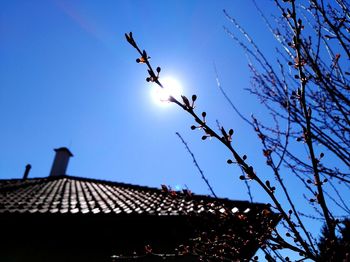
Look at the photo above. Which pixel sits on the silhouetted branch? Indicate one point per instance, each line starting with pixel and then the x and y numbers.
pixel 225 139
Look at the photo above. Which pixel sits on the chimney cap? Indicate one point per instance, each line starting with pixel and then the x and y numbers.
pixel 63 149
pixel 26 172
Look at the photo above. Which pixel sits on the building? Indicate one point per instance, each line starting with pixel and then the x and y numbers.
pixel 65 218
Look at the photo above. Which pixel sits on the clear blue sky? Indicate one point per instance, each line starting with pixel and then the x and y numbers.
pixel 69 78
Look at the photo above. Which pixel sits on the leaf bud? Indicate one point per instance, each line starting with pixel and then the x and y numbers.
pixel 185 100
pixel 193 127
pixel 171 99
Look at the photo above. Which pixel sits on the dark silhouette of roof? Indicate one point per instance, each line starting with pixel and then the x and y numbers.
pixel 65 218
pixel 67 194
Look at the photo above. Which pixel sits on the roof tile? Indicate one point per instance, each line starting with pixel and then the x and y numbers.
pixel 81 195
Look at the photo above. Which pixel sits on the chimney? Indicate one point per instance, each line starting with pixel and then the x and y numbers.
pixel 26 172
pixel 60 162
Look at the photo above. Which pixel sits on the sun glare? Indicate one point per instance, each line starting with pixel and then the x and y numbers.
pixel 172 87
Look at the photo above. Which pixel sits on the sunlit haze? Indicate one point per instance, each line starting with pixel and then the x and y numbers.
pixel 171 87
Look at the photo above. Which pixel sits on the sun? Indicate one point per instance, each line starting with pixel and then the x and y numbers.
pixel 172 87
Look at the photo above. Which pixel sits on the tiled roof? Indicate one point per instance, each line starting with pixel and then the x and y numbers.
pixel 73 195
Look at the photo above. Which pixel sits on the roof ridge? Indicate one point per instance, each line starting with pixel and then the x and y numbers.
pixel 19 183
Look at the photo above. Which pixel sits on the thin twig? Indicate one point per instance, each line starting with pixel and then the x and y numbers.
pixel 196 165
